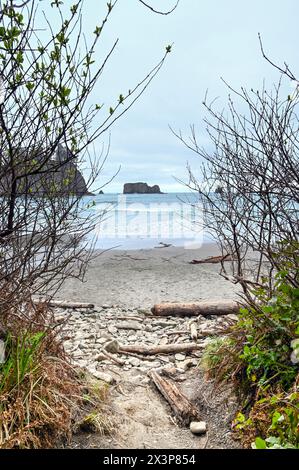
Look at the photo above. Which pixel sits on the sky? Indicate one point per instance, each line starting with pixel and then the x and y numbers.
pixel 211 40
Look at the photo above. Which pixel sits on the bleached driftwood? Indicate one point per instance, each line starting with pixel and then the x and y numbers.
pixel 205 307
pixel 183 409
pixel 163 349
pixel 213 259
pixel 64 303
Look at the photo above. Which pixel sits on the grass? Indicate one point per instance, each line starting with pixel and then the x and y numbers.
pixel 41 395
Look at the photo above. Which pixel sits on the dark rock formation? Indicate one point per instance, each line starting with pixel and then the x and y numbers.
pixel 101 192
pixel 141 188
pixel 42 176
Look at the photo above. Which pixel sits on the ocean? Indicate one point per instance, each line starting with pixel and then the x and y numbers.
pixel 143 221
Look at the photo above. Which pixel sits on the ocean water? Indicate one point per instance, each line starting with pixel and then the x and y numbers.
pixel 138 221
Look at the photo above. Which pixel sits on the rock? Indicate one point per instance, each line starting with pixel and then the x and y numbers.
pixel 129 325
pixel 180 357
pixel 104 377
pixel 164 324
pixel 232 317
pixel 111 329
pixel 163 340
pixel 90 336
pixel 112 346
pixel 144 312
pixel 100 357
pixel 188 364
pixel 141 188
pixel 59 172
pixel 102 340
pixel 134 361
pixel 132 338
pixel 198 427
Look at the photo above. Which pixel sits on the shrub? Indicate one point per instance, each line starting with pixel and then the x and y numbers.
pixel 261 354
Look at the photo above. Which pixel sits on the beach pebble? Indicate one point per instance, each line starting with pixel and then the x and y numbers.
pixel 134 361
pixel 180 357
pixel 132 338
pixel 198 427
pixel 163 341
pixel 112 330
pixel 129 325
pixel 232 317
pixel 100 357
pixel 112 346
pixel 188 363
pixel 104 377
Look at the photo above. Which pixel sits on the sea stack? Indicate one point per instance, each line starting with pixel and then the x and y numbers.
pixel 141 188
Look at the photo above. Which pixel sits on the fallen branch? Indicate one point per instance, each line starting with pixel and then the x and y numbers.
pixel 208 307
pixel 64 304
pixel 183 409
pixel 112 358
pixel 213 259
pixel 163 349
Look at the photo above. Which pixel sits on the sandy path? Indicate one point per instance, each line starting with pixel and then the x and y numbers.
pixel 120 283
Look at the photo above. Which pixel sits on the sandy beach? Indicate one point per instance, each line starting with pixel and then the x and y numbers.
pixel 141 278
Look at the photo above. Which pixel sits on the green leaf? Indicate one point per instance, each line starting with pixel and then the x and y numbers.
pixel 260 443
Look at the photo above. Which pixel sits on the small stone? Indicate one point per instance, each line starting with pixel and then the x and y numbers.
pixel 112 346
pixel 163 341
pixel 90 336
pixel 198 427
pixel 132 338
pixel 164 324
pixel 112 330
pixel 104 377
pixel 100 357
pixel 188 363
pixel 129 325
pixel 180 357
pixel 134 361
pixel 105 306
pixel 101 340
pixel 232 317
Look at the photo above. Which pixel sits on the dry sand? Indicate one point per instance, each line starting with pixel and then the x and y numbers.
pixel 141 278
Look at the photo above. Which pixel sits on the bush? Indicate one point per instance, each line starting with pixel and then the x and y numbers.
pixel 39 390
pixel 261 354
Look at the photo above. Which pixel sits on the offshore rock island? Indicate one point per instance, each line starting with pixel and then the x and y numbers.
pixel 141 188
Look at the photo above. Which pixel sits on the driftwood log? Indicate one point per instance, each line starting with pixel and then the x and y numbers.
pixel 207 307
pixel 213 259
pixel 163 349
pixel 183 409
pixel 64 303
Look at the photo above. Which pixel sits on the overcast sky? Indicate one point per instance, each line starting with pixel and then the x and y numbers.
pixel 212 39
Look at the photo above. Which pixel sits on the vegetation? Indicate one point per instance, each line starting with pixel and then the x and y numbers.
pixel 255 219
pixel 48 71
